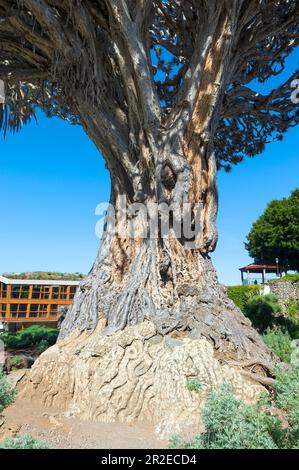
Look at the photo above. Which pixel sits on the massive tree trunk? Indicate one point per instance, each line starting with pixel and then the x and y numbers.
pixel 151 314
pixel 165 278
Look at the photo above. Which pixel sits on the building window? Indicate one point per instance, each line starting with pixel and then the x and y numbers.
pixel 42 311
pixel 3 291
pixel 45 292
pixel 38 311
pixel 14 310
pixel 55 292
pixel 59 293
pixel 25 292
pixel 72 292
pixel 18 310
pixel 63 293
pixel 3 310
pixel 41 292
pixel 19 292
pixel 54 311
pixel 36 292
pixel 33 312
pixel 22 311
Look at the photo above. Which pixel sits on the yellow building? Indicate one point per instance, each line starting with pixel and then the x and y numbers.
pixel 34 301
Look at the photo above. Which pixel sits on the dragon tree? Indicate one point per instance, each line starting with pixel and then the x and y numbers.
pixel 164 90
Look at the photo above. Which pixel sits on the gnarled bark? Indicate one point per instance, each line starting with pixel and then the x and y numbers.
pixel 175 288
pixel 136 374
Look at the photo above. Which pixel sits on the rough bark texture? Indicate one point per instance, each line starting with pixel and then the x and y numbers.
pixel 125 288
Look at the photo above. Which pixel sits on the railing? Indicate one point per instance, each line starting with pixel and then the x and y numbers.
pixel 30 312
pixel 254 281
pixel 24 310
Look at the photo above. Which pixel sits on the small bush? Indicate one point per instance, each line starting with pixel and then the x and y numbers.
pixel 42 346
pixel 288 325
pixel 194 385
pixel 240 295
pixel 231 424
pixel 287 391
pixel 287 399
pixel 16 362
pixel 263 311
pixel 288 277
pixel 280 343
pixel 292 307
pixel 30 337
pixel 23 442
pixel 7 393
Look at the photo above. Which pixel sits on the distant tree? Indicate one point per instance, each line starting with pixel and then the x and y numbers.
pixel 276 233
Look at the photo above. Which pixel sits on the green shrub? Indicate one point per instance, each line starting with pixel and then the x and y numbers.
pixel 295 353
pixel 280 343
pixel 7 393
pixel 292 307
pixel 263 311
pixel 287 391
pixel 29 337
pixel 288 325
pixel 231 424
pixel 23 442
pixel 42 346
pixel 194 385
pixel 16 362
pixel 287 399
pixel 288 277
pixel 240 295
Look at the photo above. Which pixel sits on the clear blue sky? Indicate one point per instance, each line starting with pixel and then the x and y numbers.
pixel 52 178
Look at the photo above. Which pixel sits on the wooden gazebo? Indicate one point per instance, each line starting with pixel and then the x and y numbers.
pixel 262 269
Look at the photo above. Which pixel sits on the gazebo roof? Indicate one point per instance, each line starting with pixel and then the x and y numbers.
pixel 260 268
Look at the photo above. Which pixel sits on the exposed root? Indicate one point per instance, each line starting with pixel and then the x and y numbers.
pixel 135 374
pixel 266 381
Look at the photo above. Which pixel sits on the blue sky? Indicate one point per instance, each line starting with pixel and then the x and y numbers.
pixel 52 178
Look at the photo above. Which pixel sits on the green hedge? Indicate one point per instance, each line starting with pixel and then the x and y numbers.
pixel 288 277
pixel 30 337
pixel 240 295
